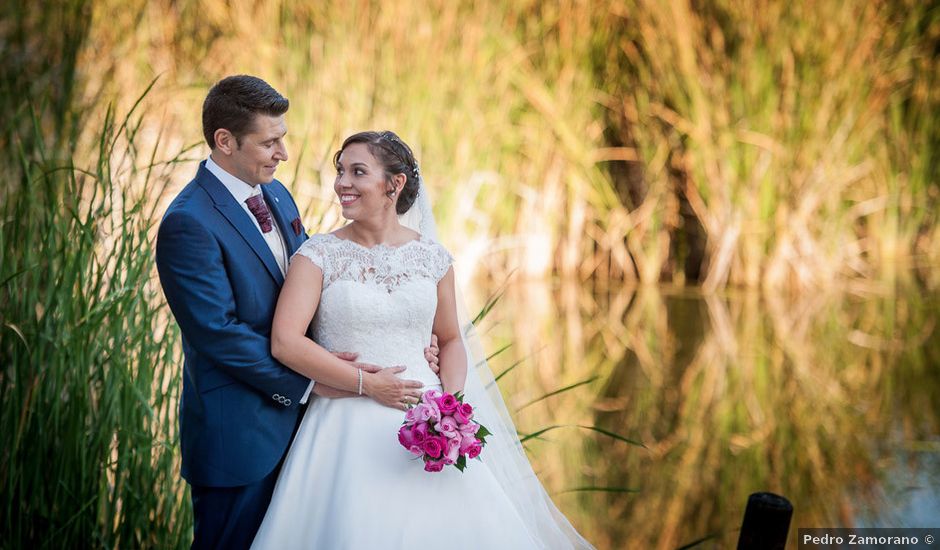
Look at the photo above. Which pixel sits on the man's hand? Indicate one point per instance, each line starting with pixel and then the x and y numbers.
pixel 431 353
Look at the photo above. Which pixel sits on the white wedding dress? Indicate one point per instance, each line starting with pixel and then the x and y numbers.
pixel 346 482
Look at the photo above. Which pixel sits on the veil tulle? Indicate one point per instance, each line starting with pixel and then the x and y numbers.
pixel 504 453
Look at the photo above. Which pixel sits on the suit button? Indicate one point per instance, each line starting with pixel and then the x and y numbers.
pixel 287 402
pixel 275 397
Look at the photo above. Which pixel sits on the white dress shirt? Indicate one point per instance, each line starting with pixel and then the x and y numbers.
pixel 241 191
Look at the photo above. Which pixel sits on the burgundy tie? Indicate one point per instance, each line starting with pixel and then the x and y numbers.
pixel 261 212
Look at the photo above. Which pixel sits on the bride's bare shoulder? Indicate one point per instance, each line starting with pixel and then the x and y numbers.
pixel 408 234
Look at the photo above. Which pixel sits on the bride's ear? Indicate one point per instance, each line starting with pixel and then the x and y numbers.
pixel 398 181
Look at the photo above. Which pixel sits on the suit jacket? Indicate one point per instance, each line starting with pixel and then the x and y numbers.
pixel 239 405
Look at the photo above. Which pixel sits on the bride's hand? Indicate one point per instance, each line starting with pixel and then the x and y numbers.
pixel 330 392
pixel 351 357
pixel 388 389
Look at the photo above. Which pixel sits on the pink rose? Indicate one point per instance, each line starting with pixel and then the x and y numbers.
pixel 433 465
pixel 431 396
pixel 451 451
pixel 466 440
pixel 448 403
pixel 447 427
pixel 474 450
pixel 406 437
pixel 424 412
pixel 433 446
pixel 420 433
pixel 419 413
pixel 470 428
pixel 464 413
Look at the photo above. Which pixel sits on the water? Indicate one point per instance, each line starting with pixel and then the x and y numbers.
pixel 830 400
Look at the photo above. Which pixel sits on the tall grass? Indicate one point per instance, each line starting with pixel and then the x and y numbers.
pixel 90 386
pixel 89 383
pixel 796 137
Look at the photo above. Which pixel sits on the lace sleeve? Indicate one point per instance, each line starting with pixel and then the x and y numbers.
pixel 314 249
pixel 441 260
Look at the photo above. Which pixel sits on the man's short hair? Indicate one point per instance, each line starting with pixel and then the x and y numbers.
pixel 233 103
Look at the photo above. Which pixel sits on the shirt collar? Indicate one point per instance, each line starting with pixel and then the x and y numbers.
pixel 238 188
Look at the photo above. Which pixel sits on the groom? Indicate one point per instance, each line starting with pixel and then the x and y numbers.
pixel 223 249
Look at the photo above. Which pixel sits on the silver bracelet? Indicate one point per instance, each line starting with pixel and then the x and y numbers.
pixel 360 381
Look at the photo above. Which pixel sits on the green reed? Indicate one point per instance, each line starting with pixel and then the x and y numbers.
pixel 90 378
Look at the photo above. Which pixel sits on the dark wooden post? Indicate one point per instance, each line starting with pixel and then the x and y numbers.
pixel 766 522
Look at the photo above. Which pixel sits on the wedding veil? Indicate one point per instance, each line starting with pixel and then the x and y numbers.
pixel 503 454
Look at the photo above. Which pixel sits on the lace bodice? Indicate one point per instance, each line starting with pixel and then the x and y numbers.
pixel 379 302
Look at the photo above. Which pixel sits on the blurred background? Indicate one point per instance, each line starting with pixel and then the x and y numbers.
pixel 704 235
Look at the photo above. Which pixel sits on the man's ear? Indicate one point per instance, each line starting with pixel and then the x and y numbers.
pixel 225 141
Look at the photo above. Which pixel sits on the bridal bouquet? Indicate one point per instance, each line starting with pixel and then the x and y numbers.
pixel 441 430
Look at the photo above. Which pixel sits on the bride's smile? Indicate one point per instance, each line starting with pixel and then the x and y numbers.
pixel 347 198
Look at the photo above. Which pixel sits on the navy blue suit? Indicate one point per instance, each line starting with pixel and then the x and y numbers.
pixel 239 406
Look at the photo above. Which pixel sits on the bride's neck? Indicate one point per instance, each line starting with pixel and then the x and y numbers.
pixel 372 232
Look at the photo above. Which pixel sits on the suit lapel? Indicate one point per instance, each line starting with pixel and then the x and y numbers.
pixel 287 232
pixel 240 220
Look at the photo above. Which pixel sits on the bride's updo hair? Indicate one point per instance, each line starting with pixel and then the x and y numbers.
pixel 396 157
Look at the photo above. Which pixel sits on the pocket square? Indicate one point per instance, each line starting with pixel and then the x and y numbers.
pixel 298 227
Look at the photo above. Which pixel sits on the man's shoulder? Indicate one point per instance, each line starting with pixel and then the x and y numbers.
pixel 191 198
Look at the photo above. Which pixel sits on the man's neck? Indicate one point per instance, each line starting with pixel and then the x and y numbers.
pixel 222 162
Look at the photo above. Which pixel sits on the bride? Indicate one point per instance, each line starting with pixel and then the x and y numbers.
pixel 379 288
